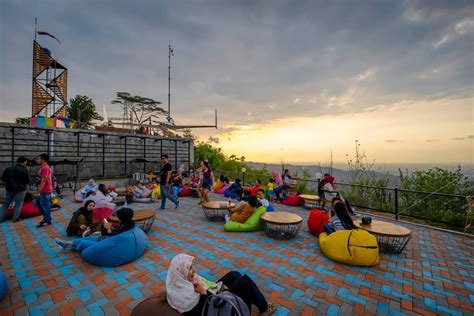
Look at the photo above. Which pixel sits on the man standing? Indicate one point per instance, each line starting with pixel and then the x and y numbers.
pixel 16 179
pixel 44 189
pixel 166 169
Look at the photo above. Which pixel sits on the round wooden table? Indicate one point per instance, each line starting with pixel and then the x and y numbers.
pixel 144 219
pixel 392 238
pixel 281 225
pixel 216 210
pixel 310 201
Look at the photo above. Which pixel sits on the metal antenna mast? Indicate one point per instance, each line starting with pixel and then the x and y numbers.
pixel 170 53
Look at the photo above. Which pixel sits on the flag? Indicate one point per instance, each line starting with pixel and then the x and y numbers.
pixel 48 34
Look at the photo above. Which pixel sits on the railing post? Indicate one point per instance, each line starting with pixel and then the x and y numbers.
pixel 176 154
pixel 103 155
pixel 144 154
pixel 125 137
pixel 396 204
pixel 189 155
pixel 13 145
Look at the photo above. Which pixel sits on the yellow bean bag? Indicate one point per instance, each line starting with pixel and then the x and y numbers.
pixel 217 185
pixel 354 247
pixel 155 194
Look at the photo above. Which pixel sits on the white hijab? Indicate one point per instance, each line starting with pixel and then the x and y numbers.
pixel 179 291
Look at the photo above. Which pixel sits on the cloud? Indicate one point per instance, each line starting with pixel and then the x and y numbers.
pixel 432 140
pixel 458 138
pixel 297 100
pixel 393 141
pixel 470 136
pixel 214 140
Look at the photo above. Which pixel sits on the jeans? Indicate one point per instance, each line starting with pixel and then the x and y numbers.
pixel 18 198
pixel 83 243
pixel 245 288
pixel 44 206
pixel 165 193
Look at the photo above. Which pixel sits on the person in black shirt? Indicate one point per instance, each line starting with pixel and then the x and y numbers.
pixel 16 179
pixel 165 183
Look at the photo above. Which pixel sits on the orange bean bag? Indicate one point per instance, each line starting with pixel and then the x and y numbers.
pixel 27 210
pixel 316 221
pixel 292 200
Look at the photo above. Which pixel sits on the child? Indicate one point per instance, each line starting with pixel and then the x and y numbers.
pixel 271 187
pixel 177 185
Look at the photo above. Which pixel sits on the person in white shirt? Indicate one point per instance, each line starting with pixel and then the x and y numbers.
pixel 261 198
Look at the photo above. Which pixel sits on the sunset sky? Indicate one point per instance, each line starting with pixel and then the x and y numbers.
pixel 292 80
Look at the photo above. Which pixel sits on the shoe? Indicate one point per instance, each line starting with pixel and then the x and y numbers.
pixel 176 206
pixel 87 232
pixel 162 209
pixel 271 309
pixel 16 220
pixel 62 244
pixel 41 224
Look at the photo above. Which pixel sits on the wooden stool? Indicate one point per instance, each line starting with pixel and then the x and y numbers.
pixel 281 225
pixel 392 238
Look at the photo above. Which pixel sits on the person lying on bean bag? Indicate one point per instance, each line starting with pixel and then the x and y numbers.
pixel 235 190
pixel 242 212
pixel 122 244
pixel 90 187
pixel 141 194
pixel 251 191
pixel 250 225
pixel 223 189
pixel 218 184
pixel 102 198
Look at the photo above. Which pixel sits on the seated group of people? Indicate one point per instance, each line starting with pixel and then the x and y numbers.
pixel 244 210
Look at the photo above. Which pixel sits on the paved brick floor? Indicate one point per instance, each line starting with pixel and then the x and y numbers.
pixel 435 275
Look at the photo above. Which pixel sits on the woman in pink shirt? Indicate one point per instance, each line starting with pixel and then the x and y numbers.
pixel 44 189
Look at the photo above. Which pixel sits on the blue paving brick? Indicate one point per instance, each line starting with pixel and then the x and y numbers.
pixel 449 311
pixel 39 310
pixel 429 287
pixel 133 290
pixel 281 311
pixel 343 292
pixel 30 298
pixel 275 287
pixel 382 308
pixel 385 289
pixel 352 279
pixel 94 308
pixel 429 302
pixel 469 285
pixel 333 310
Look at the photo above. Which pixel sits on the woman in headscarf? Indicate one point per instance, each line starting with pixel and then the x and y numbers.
pixel 90 187
pixel 81 219
pixel 187 292
pixel 328 188
pixel 278 184
pixel 125 215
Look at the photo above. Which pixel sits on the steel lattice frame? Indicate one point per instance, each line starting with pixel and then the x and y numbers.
pixel 49 90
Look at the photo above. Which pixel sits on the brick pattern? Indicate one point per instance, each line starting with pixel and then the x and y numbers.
pixel 435 274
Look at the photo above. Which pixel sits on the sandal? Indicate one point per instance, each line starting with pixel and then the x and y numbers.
pixel 271 309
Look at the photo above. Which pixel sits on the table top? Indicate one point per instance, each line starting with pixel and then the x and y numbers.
pixel 384 228
pixel 283 218
pixel 309 197
pixel 137 215
pixel 218 205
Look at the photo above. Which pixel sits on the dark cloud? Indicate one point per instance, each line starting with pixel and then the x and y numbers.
pixel 458 138
pixel 214 140
pixel 470 136
pixel 246 56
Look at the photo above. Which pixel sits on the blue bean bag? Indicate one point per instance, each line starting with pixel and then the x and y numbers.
pixel 117 250
pixel 3 285
pixel 270 208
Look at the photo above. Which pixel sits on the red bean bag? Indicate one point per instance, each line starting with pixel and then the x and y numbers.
pixel 223 189
pixel 185 192
pixel 27 210
pixel 316 221
pixel 292 200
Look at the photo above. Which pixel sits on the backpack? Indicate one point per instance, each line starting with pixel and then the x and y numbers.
pixel 225 304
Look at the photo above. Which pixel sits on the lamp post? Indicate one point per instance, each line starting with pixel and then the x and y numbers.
pixel 243 175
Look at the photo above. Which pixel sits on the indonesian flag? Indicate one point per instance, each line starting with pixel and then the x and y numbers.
pixel 48 34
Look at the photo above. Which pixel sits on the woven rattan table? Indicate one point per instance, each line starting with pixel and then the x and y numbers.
pixel 310 201
pixel 216 210
pixel 281 225
pixel 392 238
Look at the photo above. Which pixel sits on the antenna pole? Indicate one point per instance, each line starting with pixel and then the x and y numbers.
pixel 169 78
pixel 36 22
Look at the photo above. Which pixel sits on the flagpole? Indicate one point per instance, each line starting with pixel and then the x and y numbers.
pixel 169 79
pixel 36 22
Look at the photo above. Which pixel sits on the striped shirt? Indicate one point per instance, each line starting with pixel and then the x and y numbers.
pixel 336 223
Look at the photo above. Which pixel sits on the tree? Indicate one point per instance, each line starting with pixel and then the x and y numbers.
pixel 143 109
pixel 22 120
pixel 82 110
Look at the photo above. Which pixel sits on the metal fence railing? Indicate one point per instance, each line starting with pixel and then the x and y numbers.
pixel 444 210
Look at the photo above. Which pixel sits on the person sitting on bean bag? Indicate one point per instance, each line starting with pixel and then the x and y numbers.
pixel 90 187
pixel 218 184
pixel 125 215
pixel 341 219
pixel 251 191
pixel 102 198
pixel 235 190
pixel 81 219
pixel 263 201
pixel 242 212
pixel 142 194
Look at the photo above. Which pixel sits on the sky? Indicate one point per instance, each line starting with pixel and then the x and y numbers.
pixel 292 81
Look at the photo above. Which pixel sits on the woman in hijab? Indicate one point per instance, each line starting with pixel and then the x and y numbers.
pixel 278 184
pixel 125 215
pixel 90 187
pixel 187 292
pixel 81 219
